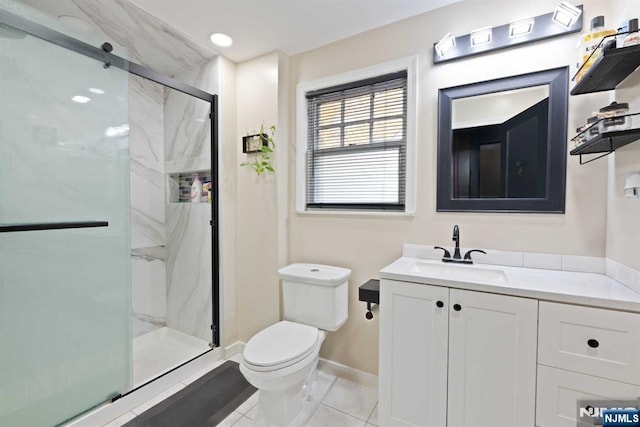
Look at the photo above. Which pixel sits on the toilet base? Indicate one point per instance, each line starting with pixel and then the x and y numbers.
pixel 293 407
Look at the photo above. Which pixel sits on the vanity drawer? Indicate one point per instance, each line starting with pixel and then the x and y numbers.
pixel 559 392
pixel 603 343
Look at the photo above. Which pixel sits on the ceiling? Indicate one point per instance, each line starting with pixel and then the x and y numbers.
pixel 293 26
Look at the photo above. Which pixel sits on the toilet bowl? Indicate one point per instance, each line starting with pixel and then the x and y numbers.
pixel 281 360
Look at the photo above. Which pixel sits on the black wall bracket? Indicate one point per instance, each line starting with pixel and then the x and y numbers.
pixel 370 293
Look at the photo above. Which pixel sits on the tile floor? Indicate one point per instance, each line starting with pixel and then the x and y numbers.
pixel 346 404
pixel 162 350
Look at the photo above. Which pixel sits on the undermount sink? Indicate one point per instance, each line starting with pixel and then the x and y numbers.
pixel 463 273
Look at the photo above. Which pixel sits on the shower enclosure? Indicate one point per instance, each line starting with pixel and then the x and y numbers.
pixel 65 234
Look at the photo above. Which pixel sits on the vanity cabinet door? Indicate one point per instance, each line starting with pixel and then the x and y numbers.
pixel 492 360
pixel 413 354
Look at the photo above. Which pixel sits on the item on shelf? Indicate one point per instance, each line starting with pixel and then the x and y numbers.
pixel 580 138
pixel 591 129
pixel 623 29
pixel 196 189
pixel 633 38
pixel 591 48
pixel 206 192
pixel 613 118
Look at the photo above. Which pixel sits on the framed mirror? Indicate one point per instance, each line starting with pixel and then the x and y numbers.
pixel 502 144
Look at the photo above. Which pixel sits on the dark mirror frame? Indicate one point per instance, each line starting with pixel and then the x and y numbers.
pixel 558 81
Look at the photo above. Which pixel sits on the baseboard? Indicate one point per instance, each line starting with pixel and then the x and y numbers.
pixel 348 373
pixel 233 349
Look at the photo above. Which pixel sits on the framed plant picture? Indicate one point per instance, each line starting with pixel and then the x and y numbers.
pixel 254 143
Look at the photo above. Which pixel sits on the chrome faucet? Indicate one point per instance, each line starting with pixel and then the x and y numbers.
pixel 457 258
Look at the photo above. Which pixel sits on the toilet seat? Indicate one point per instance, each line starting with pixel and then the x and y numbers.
pixel 281 345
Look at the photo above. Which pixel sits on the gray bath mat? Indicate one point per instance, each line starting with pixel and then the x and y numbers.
pixel 203 403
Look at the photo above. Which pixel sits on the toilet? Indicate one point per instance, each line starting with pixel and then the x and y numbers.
pixel 281 360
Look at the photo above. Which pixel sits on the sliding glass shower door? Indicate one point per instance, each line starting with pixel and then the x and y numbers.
pixel 65 298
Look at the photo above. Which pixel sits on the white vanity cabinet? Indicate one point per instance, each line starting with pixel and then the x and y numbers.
pixel 414 323
pixel 451 357
pixel 584 353
pixel 492 359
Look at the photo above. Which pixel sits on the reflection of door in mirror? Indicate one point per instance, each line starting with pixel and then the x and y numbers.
pixel 499 144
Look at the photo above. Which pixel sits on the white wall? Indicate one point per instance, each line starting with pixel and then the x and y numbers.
pixel 257 200
pixel 623 214
pixel 228 187
pixel 367 243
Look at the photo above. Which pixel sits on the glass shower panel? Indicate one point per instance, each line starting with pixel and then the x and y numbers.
pixel 65 298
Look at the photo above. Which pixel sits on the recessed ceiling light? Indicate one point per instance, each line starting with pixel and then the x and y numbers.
pixel 96 91
pixel 80 99
pixel 76 24
pixel 220 39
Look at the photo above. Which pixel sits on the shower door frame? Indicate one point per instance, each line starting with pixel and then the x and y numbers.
pixel 104 55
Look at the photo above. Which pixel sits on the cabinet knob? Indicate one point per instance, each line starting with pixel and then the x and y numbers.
pixel 593 343
pixel 457 307
pixel 439 304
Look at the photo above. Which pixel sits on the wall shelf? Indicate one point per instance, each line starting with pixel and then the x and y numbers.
pixel 606 143
pixel 613 66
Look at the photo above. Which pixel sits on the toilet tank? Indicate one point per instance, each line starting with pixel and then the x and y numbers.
pixel 315 295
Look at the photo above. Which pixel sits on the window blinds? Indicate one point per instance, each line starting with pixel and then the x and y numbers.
pixel 356 152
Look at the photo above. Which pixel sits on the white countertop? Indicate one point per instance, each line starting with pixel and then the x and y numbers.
pixel 591 289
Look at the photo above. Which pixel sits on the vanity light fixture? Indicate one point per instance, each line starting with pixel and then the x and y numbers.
pixel 220 39
pixel 447 43
pixel 515 33
pixel 481 36
pixel 566 14
pixel 521 27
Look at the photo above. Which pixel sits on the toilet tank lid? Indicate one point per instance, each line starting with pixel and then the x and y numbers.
pixel 316 274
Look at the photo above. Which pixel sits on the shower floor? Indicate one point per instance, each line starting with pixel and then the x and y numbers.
pixel 159 351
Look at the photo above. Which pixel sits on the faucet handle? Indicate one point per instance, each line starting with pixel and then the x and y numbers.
pixel 467 256
pixel 446 254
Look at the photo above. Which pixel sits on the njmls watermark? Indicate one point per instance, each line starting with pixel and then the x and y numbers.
pixel 609 413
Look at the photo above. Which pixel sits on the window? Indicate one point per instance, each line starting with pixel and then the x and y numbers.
pixel 356 149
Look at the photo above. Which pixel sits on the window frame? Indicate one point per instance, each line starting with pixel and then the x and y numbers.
pixel 406 64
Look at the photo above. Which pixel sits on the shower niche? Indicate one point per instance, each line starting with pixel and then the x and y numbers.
pixel 179 186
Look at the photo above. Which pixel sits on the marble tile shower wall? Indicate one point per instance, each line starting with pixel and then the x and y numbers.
pixel 187 126
pixel 187 134
pixel 149 290
pixel 153 43
pixel 147 39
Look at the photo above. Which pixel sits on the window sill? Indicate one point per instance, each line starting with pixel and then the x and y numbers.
pixel 381 214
